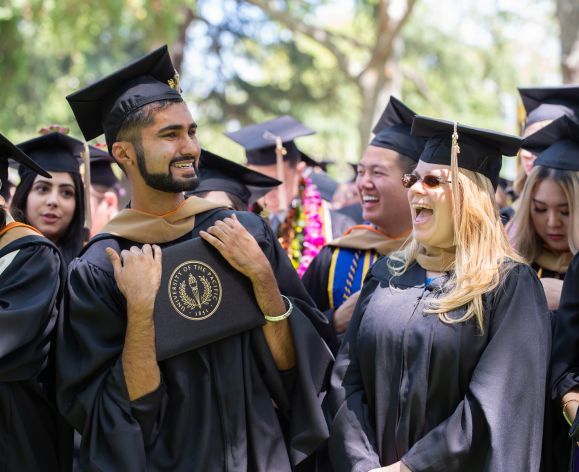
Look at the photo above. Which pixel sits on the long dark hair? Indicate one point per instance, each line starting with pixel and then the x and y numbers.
pixel 2 217
pixel 71 242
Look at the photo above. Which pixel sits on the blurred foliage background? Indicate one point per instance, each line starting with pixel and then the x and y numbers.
pixel 331 64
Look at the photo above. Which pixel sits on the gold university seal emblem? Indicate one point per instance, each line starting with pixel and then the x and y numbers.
pixel 194 290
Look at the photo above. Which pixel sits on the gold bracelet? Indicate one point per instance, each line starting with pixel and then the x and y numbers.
pixel 275 319
pixel 567 419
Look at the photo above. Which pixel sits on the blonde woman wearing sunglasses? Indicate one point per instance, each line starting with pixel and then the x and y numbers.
pixel 443 367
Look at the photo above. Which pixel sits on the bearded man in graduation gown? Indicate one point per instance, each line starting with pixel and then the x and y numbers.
pixel 247 402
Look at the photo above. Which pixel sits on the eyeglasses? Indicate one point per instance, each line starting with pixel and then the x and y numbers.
pixel 431 181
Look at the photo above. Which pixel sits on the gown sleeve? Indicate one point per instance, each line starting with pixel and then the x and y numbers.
pixel 298 393
pixel 29 303
pixel 499 422
pixel 565 355
pixel 352 443
pixel 92 393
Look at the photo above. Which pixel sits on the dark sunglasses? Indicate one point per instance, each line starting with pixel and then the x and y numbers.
pixel 431 181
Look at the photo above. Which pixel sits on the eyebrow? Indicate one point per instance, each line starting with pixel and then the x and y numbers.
pixel 176 128
pixel 374 166
pixel 544 203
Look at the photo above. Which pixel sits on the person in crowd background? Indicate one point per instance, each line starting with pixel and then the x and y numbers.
pixel 54 206
pixel 233 185
pixel 335 277
pixel 299 216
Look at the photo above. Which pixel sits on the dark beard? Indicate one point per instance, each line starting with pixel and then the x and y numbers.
pixel 164 182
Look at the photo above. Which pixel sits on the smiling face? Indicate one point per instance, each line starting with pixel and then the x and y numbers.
pixel 383 198
pixel 50 204
pixel 550 214
pixel 432 207
pixel 168 152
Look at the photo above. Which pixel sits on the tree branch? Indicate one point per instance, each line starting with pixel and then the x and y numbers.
pixel 319 35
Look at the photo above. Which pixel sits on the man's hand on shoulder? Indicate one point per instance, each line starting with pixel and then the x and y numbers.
pixel 138 273
pixel 238 247
pixel 138 276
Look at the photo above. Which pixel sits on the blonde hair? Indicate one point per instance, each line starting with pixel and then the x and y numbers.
pixel 524 235
pixel 481 244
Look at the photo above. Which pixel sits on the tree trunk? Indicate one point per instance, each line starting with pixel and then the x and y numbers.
pixel 568 17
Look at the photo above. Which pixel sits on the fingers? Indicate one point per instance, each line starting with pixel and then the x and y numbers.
pixel 115 260
pixel 215 242
pixel 147 250
pixel 157 253
pixel 220 231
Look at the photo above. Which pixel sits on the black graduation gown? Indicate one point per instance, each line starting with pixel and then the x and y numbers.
pixel 30 296
pixel 441 397
pixel 214 409
pixel 556 444
pixel 565 353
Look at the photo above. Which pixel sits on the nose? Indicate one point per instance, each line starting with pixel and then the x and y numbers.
pixel 553 219
pixel 417 188
pixel 191 147
pixel 52 198
pixel 364 181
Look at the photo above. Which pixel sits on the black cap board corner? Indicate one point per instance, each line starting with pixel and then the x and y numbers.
pixel 219 174
pixel 481 150
pixel 392 131
pixel 8 150
pixel 557 145
pixel 549 103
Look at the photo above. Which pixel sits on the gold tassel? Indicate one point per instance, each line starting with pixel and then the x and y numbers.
pixel 280 151
pixel 85 174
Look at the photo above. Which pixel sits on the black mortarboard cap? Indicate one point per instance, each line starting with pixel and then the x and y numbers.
pixel 393 130
pixel 259 140
pixel 550 103
pixel 481 150
pixel 101 172
pixel 325 184
pixel 219 174
pixel 103 106
pixel 55 152
pixel 11 151
pixel 557 145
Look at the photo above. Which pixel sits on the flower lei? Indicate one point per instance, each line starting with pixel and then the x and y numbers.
pixel 302 232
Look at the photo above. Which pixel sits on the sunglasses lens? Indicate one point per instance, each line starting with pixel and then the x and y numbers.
pixel 408 180
pixel 431 181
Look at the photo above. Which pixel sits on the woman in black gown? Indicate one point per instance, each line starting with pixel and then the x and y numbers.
pixel 31 274
pixel 444 365
pixel 544 228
